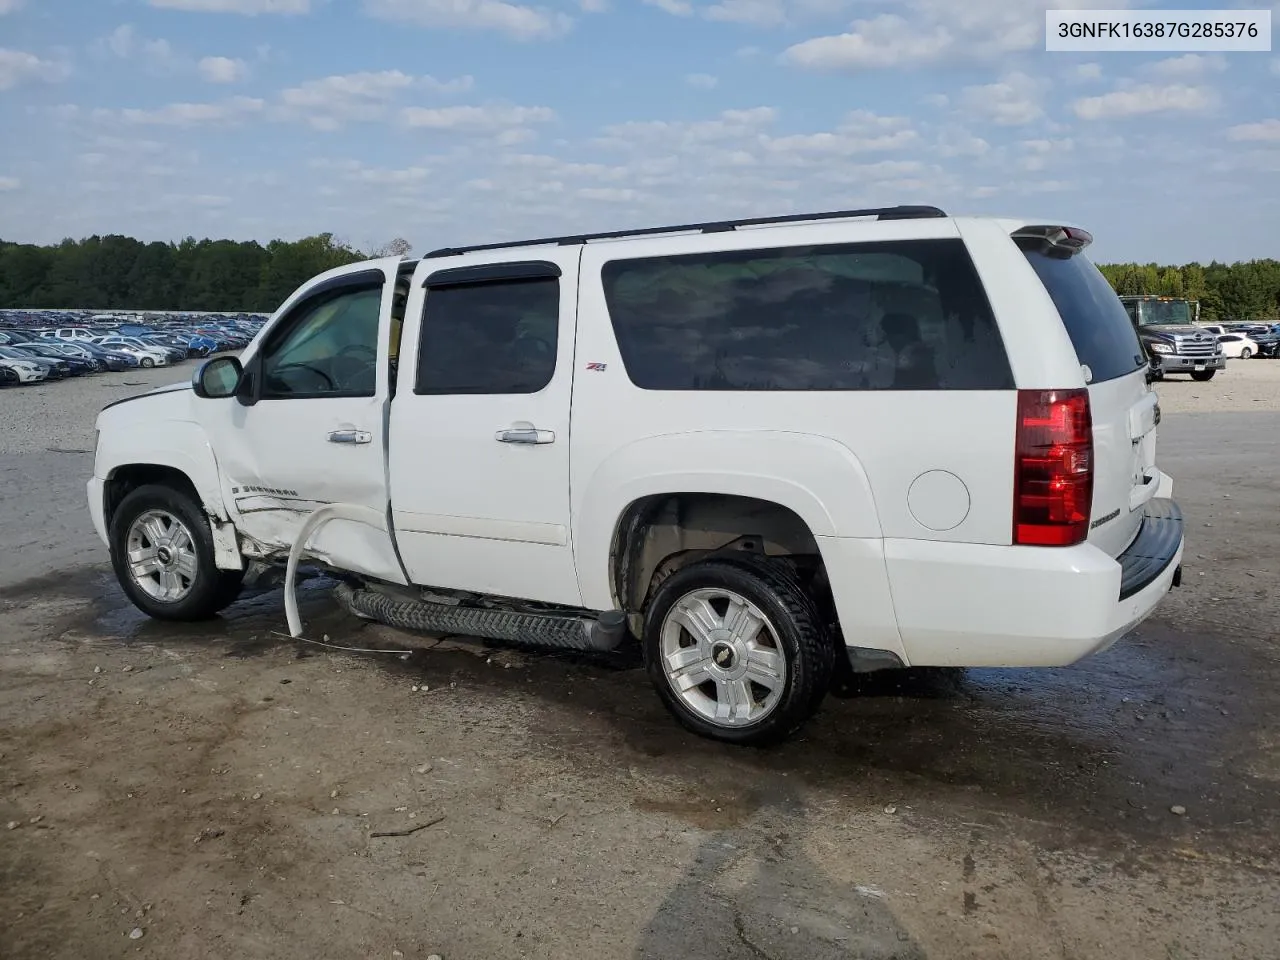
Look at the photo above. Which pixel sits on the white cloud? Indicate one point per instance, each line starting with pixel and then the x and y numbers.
pixel 10 183
pixel 593 6
pixel 18 66
pixel 9 6
pixel 703 81
pixel 1275 66
pixel 1014 100
pixel 1265 131
pixel 476 119
pixel 957 142
pixel 223 70
pixel 1144 99
pixel 1189 66
pixel 250 8
pixel 887 41
pixel 761 13
pixel 208 200
pixel 328 103
pixel 1085 72
pixel 186 114
pixel 930 31
pixel 517 21
pixel 677 8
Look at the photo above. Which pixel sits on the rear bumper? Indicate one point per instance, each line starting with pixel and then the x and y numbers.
pixel 978 605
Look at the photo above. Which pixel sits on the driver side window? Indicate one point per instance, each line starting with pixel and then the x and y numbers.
pixel 327 348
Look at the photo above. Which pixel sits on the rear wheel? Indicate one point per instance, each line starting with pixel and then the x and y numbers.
pixel 162 554
pixel 1246 353
pixel 737 650
pixel 1202 375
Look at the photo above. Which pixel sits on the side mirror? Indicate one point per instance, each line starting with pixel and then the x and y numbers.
pixel 217 378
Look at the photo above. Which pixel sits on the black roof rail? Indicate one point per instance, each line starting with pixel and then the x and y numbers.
pixel 714 226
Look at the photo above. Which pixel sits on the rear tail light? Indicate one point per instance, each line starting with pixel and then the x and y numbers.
pixel 1053 468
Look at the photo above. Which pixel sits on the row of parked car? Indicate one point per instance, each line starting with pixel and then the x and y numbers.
pixel 32 353
pixel 1246 340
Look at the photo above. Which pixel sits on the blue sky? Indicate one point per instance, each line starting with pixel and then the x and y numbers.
pixel 453 121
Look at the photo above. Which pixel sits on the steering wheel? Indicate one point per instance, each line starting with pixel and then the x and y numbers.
pixel 328 380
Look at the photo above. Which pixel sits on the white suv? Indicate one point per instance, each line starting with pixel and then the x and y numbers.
pixel 768 451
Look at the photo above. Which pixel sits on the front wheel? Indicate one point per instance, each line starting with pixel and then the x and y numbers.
pixel 737 650
pixel 1202 375
pixel 146 362
pixel 162 554
pixel 1246 353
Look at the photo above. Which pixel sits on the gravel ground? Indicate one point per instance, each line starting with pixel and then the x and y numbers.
pixel 1245 386
pixel 215 790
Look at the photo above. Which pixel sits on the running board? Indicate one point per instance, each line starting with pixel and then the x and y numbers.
pixel 539 630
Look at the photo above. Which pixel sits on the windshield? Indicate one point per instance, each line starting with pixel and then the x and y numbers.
pixel 1163 312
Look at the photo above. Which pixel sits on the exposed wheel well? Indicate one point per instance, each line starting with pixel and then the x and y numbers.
pixel 124 480
pixel 658 535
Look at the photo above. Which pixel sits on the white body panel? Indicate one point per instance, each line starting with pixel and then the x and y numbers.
pixel 471 512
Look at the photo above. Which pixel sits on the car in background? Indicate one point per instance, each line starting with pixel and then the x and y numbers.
pixel 52 370
pixel 168 344
pixel 52 352
pixel 84 351
pixel 1268 340
pixel 197 343
pixel 1237 345
pixel 149 355
pixel 24 371
pixel 11 335
pixel 115 359
pixel 81 334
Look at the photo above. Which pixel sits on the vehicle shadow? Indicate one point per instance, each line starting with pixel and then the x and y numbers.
pixel 752 892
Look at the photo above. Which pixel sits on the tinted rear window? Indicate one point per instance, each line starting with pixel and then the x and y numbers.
pixel 1096 320
pixel 901 315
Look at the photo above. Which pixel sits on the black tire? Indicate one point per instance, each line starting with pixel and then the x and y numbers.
pixel 1202 375
pixel 791 613
pixel 1246 353
pixel 211 589
pixel 146 362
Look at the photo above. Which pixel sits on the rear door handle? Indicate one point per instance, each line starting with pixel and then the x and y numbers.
pixel 350 436
pixel 524 433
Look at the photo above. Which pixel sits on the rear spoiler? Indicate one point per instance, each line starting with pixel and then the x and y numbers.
pixel 1055 240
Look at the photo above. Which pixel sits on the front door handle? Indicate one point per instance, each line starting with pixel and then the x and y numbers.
pixel 524 433
pixel 350 436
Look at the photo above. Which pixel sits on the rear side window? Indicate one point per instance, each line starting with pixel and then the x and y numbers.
pixel 1095 318
pixel 900 315
pixel 489 338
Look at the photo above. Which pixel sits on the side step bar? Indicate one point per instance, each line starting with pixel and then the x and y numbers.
pixel 531 629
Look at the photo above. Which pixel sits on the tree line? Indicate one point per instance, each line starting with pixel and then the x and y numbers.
pixel 120 273
pixel 116 272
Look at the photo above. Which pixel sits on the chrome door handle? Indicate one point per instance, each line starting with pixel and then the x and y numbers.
pixel 350 436
pixel 523 434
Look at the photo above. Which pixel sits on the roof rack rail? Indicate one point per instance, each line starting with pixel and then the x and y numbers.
pixel 714 226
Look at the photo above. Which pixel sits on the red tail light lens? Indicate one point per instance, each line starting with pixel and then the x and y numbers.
pixel 1053 468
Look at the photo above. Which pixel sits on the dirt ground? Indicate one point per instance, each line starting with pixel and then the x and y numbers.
pixel 214 791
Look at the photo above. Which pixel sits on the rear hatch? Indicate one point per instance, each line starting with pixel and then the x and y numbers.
pixel 1122 404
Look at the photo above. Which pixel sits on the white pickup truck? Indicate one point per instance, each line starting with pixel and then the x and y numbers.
pixel 765 450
